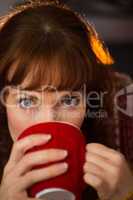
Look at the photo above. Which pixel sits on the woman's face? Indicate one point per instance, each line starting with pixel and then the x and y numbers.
pixel 25 108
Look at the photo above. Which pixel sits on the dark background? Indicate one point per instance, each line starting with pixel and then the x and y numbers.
pixel 113 19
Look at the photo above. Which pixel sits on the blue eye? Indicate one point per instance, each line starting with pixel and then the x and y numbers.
pixel 70 100
pixel 27 102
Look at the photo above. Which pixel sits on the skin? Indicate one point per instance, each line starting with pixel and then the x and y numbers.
pixel 105 169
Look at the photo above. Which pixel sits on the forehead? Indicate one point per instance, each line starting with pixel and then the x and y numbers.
pixel 49 91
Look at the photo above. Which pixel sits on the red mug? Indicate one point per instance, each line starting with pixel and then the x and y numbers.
pixel 67 186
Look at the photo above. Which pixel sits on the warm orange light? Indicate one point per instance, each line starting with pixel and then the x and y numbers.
pixel 100 51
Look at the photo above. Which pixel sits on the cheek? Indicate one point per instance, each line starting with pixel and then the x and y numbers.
pixel 78 118
pixel 16 123
pixel 73 116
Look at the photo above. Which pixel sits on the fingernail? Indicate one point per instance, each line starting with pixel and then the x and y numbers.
pixel 64 153
pixel 47 137
pixel 63 165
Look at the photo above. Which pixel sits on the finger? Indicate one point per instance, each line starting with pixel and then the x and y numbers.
pixel 34 198
pixel 90 167
pixel 93 180
pixel 100 161
pixel 42 174
pixel 97 183
pixel 114 157
pixel 37 158
pixel 21 146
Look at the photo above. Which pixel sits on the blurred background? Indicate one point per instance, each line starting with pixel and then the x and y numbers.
pixel 113 19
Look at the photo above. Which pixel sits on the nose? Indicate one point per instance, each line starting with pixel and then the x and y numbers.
pixel 49 115
pixel 46 114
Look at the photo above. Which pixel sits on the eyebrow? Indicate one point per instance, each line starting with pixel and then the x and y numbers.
pixel 39 91
pixel 23 89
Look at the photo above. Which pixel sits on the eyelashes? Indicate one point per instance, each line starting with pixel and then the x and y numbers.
pixel 27 102
pixel 67 100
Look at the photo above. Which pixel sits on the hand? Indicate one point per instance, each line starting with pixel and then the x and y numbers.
pixel 17 176
pixel 108 172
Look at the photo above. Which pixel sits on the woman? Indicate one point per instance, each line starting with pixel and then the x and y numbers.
pixel 54 67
